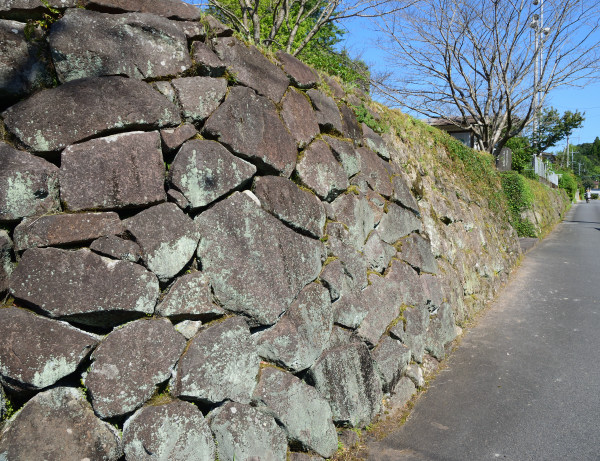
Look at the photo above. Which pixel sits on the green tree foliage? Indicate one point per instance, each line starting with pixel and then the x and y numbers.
pixel 522 153
pixel 553 128
pixel 568 181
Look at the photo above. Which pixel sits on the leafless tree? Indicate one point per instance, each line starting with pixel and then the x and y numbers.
pixel 296 22
pixel 488 65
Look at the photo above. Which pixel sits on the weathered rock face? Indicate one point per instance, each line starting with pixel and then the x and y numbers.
pixel 83 286
pixel 220 363
pixel 299 73
pixel 176 431
pixel 172 9
pixel 299 117
pixel 191 297
pixel 38 430
pixel 87 107
pixel 129 363
pixel 249 126
pixel 199 96
pixel 21 70
pixel 242 432
pixel 48 349
pixel 256 265
pixel 28 185
pixel 89 44
pixel 204 171
pixel 6 265
pixel 304 414
pixel 168 238
pixel 319 170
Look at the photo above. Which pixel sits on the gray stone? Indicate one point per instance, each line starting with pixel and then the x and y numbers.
pixel 402 393
pixel 83 287
pixel 251 68
pixel 85 44
pixel 215 27
pixel 172 9
pixel 416 251
pixel 441 331
pixel 117 248
pixel 375 142
pixel 65 229
pixel 402 194
pixel 166 89
pixel 206 61
pixel 175 431
pixel 304 414
pixel 351 309
pixel 345 154
pixel 88 107
pixel 299 73
pixel 199 96
pixel 28 185
pixel 375 170
pixel 415 374
pixel 319 170
pixel 193 30
pixel 302 333
pixel 173 138
pixel 353 262
pixel 391 359
pixel 433 291
pixel 377 204
pixel 178 199
pixel 59 424
pixel 355 212
pixel 299 117
pixel 129 363
pixel 328 114
pixel 190 297
pixel 6 262
pixel 346 377
pixel 256 265
pixel 334 86
pixel 242 432
pixel 119 171
pixel 203 171
pixel 219 364
pixel 398 222
pixel 350 126
pixel 23 64
pixel 298 208
pixel 188 328
pixel 412 330
pixel 250 127
pixel 36 352
pixel 378 253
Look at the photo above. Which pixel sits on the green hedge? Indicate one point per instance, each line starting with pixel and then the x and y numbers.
pixel 520 198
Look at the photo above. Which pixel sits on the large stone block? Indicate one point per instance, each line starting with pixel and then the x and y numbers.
pixel 83 286
pixel 117 248
pixel 172 9
pixel 23 64
pixel 59 424
pixel 345 153
pixel 299 73
pixel 85 43
pixel 36 352
pixel 302 333
pixel 199 96
pixel 243 432
pixel 416 251
pixel 204 171
pixel 6 263
pixel 250 127
pixel 319 170
pixel 176 431
pixel 167 236
pixel 376 172
pixel 206 61
pixel 346 377
pixel 412 330
pixel 391 359
pixel 398 222
pixel 52 119
pixel 28 185
pixel 220 364
pixel 119 171
pixel 356 214
pixel 296 207
pixel 299 117
pixel 304 414
pixel 65 229
pixel 129 363
pixel 256 265
pixel 251 68
pixel 328 114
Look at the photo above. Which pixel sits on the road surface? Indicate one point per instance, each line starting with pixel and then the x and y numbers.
pixel 524 384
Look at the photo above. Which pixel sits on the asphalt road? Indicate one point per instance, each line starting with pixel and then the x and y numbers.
pixel 524 384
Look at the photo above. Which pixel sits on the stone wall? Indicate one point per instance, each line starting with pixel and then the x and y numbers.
pixel 204 252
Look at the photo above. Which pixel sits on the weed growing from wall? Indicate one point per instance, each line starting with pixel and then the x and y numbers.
pixel 520 198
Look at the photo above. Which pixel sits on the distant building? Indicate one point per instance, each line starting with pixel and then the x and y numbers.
pixel 455 128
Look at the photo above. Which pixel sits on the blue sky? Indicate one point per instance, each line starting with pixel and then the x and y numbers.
pixel 361 40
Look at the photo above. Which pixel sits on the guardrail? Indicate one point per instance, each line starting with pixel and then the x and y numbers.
pixel 542 170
